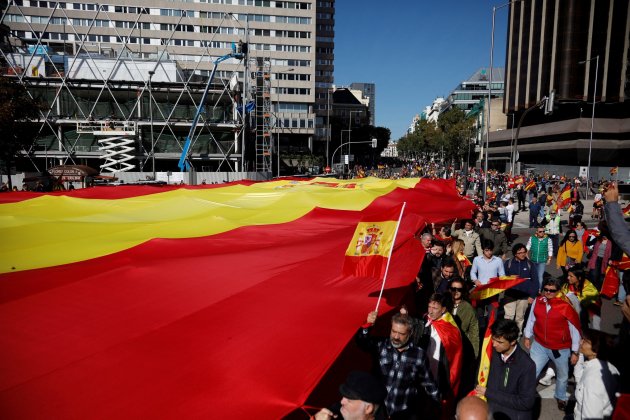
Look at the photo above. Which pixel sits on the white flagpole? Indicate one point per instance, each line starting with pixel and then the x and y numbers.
pixel 389 257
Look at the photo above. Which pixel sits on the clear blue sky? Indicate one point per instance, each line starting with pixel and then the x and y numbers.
pixel 414 51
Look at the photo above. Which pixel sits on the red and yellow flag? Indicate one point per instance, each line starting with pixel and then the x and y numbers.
pixel 133 282
pixel 610 285
pixel 462 258
pixel 451 339
pixel 565 197
pixel 519 180
pixel 562 304
pixel 623 264
pixel 626 210
pixel 531 184
pixel 614 170
pixel 486 353
pixel 495 286
pixel 372 244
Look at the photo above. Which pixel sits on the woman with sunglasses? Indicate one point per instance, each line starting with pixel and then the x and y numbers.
pixel 569 252
pixel 464 313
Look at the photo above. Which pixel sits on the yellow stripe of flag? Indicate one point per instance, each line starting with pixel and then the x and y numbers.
pixel 56 230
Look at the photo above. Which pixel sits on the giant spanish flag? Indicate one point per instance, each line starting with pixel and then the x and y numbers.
pixel 215 301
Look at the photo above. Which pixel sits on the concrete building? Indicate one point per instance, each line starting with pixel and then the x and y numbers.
pixel 475 89
pixel 579 50
pixel 93 61
pixel 368 90
pixel 433 111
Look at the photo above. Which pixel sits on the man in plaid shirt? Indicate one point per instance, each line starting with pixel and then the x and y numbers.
pixel 402 366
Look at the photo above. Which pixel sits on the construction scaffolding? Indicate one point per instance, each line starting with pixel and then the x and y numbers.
pixel 264 140
pixel 146 92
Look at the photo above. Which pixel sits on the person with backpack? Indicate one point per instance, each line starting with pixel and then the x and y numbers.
pixel 518 298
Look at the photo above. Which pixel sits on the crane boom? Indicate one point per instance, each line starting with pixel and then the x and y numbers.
pixel 184 164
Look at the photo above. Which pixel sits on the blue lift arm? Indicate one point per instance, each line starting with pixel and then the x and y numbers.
pixel 184 164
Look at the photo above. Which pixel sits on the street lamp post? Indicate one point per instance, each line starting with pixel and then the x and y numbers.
pixel 328 128
pixel 151 73
pixel 280 125
pixel 350 134
pixel 590 142
pixel 485 169
pixel 343 144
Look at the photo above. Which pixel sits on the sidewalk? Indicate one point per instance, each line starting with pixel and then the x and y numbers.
pixel 611 314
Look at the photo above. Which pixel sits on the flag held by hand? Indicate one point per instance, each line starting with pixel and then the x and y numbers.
pixel 495 286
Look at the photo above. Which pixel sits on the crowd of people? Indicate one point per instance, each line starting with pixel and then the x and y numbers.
pixel 544 327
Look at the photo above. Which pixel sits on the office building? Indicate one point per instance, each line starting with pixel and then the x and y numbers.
pixel 145 65
pixel 368 90
pixel 575 51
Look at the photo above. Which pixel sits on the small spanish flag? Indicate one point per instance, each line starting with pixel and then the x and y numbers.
pixel 531 184
pixel 626 210
pixel 486 354
pixel 614 170
pixel 495 286
pixel 372 244
pixel 463 259
pixel 565 197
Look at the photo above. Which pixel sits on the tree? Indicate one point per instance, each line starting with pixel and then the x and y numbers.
pixel 18 127
pixel 457 131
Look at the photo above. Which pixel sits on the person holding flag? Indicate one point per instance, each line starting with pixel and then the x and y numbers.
pixel 555 327
pixel 442 340
pixel 400 364
pixel 511 385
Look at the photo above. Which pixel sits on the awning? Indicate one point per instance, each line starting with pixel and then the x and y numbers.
pixel 72 172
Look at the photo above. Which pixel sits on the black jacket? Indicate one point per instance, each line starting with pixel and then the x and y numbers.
pixel 511 389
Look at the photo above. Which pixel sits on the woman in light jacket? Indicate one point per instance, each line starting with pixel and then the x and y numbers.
pixel 595 377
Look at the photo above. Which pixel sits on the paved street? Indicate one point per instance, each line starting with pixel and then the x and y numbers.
pixel 611 314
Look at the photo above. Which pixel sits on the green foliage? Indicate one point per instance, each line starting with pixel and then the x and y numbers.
pixel 18 115
pixel 448 138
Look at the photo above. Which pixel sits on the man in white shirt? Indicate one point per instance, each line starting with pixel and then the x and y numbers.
pixel 510 220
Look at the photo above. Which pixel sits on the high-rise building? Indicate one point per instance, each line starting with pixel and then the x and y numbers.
pixel 577 52
pixel 369 91
pixel 92 61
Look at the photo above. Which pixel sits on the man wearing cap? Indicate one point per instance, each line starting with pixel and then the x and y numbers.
pixel 402 366
pixel 362 399
pixel 552 228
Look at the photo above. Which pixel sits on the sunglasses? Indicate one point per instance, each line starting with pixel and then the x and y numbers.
pixel 456 289
pixel 549 290
pixel 572 237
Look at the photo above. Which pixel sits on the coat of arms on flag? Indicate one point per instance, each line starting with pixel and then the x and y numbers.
pixel 371 245
pixel 369 236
